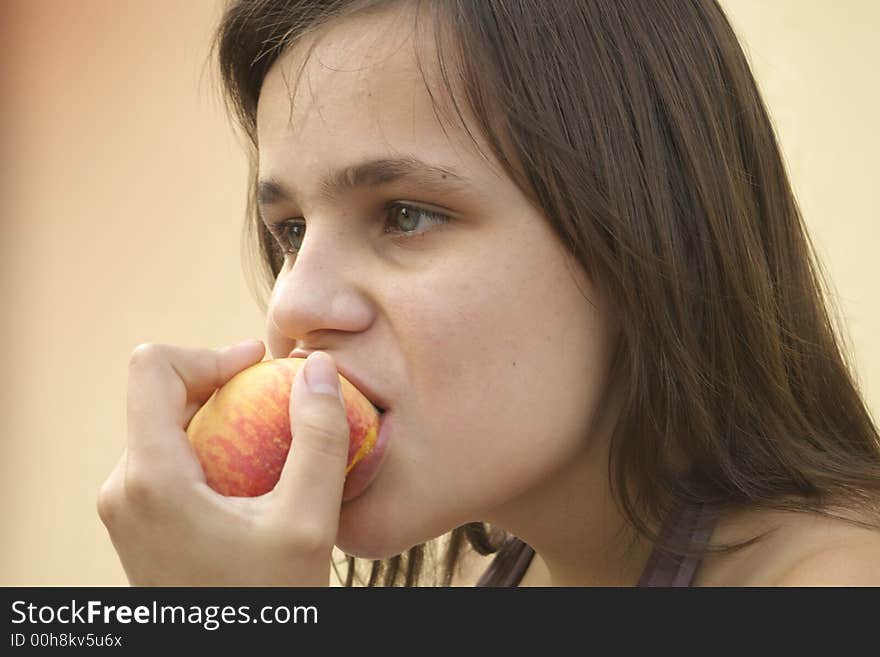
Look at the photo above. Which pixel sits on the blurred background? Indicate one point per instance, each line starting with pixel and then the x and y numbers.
pixel 122 205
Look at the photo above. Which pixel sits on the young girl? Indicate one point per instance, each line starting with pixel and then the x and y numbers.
pixel 556 242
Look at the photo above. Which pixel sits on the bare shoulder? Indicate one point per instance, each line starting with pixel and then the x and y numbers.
pixel 798 549
pixel 852 563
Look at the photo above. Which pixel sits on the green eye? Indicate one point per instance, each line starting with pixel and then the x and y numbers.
pixel 401 219
pixel 408 216
pixel 404 218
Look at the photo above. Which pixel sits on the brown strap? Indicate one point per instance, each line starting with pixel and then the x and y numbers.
pixel 694 523
pixel 508 566
pixel 691 523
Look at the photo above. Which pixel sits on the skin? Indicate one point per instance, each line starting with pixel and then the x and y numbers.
pixel 489 345
pixel 170 529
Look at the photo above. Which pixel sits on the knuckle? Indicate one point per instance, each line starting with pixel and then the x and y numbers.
pixel 144 354
pixel 328 438
pixel 141 490
pixel 109 502
pixel 307 540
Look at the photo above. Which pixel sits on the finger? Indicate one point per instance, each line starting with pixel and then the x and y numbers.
pixel 167 384
pixel 311 482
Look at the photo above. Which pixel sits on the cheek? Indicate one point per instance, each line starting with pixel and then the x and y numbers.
pixel 502 366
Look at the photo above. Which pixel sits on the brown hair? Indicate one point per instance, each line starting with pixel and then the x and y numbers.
pixel 638 129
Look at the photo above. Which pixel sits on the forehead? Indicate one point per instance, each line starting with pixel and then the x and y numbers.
pixel 364 84
pixel 350 54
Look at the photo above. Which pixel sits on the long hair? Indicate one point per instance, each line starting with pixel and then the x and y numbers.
pixel 638 130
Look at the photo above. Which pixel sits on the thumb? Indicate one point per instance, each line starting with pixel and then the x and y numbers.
pixel 311 482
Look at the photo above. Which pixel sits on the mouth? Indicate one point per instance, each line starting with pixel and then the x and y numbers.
pixel 362 476
pixel 374 398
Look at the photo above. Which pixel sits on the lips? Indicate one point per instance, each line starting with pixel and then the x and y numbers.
pixel 363 474
pixel 381 404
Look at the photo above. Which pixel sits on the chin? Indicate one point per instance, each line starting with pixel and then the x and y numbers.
pixel 370 533
pixel 370 543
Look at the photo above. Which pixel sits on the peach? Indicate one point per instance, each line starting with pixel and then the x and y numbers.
pixel 241 435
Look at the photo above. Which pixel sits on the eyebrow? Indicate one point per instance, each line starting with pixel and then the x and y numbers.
pixel 371 173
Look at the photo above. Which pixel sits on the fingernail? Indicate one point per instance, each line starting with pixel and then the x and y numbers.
pixel 321 376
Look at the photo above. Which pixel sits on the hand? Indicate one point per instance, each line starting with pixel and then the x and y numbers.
pixel 170 529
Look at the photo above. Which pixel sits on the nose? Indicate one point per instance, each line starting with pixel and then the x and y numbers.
pixel 319 293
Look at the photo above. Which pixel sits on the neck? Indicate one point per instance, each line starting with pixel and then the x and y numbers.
pixel 579 535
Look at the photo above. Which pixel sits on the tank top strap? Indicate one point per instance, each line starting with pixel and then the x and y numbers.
pixel 508 569
pixel 690 523
pixel 694 523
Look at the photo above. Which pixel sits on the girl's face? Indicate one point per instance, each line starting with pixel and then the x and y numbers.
pixel 459 307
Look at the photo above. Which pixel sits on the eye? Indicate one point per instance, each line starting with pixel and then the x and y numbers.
pixel 408 217
pixel 289 234
pixel 403 220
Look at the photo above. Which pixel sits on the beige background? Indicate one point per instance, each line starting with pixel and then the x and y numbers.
pixel 121 213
